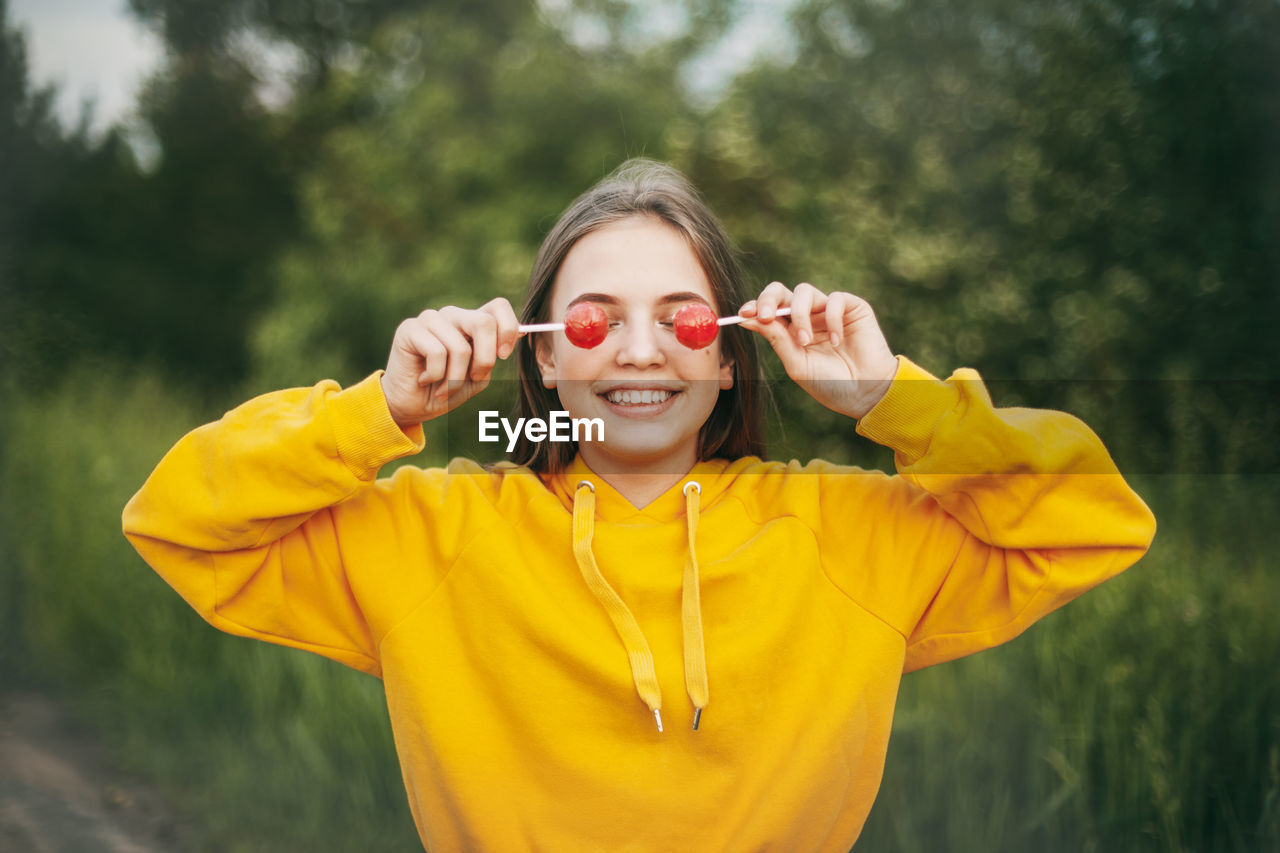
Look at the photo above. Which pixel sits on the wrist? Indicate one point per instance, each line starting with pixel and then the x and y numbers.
pixel 876 389
pixel 408 424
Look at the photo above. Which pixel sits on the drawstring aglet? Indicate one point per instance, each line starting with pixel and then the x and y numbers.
pixel 697 716
pixel 657 715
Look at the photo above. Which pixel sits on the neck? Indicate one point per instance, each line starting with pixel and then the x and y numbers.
pixel 641 483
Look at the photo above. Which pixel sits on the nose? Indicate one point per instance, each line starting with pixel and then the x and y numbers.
pixel 640 345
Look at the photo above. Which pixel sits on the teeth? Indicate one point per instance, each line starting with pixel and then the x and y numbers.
pixel 636 398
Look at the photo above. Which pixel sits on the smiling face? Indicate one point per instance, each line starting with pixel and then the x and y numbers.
pixel 652 392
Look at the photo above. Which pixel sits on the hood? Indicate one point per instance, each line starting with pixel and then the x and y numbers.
pixel 590 498
pixel 714 478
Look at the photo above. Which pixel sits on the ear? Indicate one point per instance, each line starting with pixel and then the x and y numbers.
pixel 543 352
pixel 726 374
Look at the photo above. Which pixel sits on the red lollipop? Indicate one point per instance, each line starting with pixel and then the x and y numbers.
pixel 696 326
pixel 585 325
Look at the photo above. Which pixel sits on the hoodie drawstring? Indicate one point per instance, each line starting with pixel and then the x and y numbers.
pixel 638 652
pixel 642 671
pixel 695 655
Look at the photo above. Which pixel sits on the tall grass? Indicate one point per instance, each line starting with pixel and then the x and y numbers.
pixel 263 749
pixel 1145 716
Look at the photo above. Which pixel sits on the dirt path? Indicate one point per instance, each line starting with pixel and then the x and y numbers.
pixel 59 794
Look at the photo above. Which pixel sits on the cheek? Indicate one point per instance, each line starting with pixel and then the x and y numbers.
pixel 578 363
pixel 701 362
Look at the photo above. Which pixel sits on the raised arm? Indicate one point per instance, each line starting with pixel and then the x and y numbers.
pixel 242 516
pixel 998 515
pixel 271 523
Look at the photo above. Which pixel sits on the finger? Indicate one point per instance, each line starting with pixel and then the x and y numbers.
pixel 770 299
pixel 507 324
pixel 459 353
pixel 482 329
pixel 806 300
pixel 426 355
pixel 837 304
pixel 779 336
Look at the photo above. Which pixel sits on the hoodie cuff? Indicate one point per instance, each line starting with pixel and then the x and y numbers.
pixel 905 418
pixel 367 437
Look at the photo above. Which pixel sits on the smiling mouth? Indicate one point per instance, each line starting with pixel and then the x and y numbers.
pixel 638 397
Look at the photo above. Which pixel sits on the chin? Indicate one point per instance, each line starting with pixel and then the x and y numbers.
pixel 647 451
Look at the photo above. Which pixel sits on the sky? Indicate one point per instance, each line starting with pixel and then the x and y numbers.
pixel 92 49
pixel 95 50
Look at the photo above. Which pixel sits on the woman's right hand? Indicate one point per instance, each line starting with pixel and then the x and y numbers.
pixel 441 359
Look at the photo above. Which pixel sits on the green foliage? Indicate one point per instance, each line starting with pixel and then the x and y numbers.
pixel 33 152
pixel 1047 175
pixel 473 141
pixel 319 30
pixel 222 156
pixel 1053 194
pixel 295 752
pixel 100 258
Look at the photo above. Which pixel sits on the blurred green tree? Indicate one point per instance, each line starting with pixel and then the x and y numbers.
pixel 25 117
pixel 318 30
pixel 1047 192
pixel 35 153
pixel 106 259
pixel 474 138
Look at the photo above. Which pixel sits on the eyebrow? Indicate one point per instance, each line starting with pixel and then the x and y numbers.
pixel 668 299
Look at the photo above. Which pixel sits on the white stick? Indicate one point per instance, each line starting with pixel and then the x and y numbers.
pixel 736 318
pixel 525 328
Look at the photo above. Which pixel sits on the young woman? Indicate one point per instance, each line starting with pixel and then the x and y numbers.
pixel 652 640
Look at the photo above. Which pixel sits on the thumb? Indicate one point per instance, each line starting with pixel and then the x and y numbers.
pixel 778 334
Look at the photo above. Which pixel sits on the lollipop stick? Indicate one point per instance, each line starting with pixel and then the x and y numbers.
pixel 525 328
pixel 729 321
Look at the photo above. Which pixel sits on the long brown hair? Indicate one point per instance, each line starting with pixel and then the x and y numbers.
pixel 641 187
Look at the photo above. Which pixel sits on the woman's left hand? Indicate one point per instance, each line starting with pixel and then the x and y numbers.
pixel 831 345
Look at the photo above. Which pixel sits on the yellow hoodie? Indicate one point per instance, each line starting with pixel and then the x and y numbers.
pixel 526 632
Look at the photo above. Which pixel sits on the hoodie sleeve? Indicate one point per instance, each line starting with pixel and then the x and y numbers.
pixel 998 516
pixel 271 524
